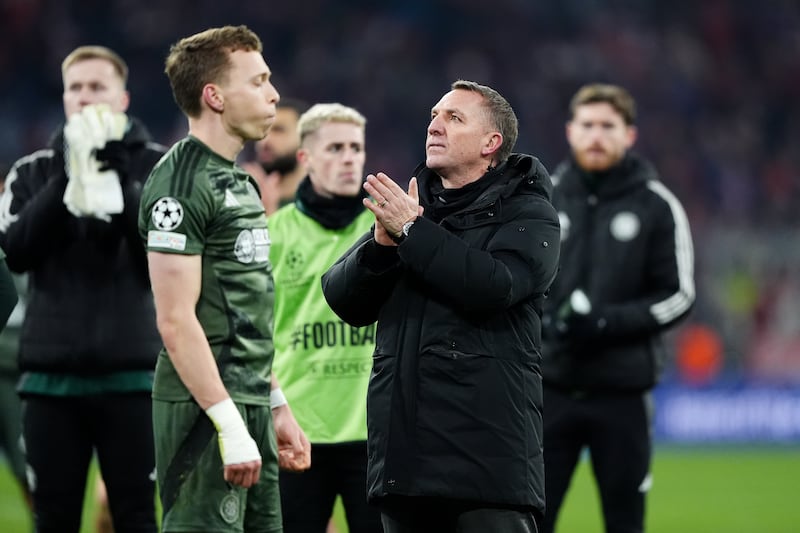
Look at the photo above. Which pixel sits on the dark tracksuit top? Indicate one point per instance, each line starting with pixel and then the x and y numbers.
pixel 90 309
pixel 626 243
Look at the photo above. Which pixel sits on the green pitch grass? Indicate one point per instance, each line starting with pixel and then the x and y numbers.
pixel 14 514
pixel 695 490
pixel 702 490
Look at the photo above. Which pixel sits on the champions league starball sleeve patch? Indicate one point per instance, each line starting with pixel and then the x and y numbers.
pixel 166 216
pixel 167 213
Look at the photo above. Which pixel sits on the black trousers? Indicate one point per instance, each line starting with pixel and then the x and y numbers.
pixel 307 498
pixel 616 428
pixel 61 434
pixel 409 514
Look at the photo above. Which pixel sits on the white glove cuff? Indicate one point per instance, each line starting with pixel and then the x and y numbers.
pixel 276 398
pixel 235 443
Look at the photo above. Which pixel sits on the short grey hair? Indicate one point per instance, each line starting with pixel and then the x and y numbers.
pixel 501 115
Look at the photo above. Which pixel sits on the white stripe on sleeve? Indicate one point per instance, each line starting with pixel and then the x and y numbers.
pixel 678 303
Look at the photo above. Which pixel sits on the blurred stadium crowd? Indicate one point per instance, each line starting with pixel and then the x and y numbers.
pixel 717 83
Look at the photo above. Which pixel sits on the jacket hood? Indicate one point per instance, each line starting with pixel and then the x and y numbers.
pixel 533 171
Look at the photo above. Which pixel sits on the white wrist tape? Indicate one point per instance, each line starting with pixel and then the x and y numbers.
pixel 276 398
pixel 235 443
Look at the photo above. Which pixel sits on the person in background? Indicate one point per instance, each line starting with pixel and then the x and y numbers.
pixel 455 273
pixel 317 357
pixel 89 341
pixel 222 424
pixel 10 405
pixel 626 276
pixel 276 168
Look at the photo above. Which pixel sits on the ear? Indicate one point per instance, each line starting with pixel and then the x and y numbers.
pixel 303 156
pixel 568 130
pixel 125 101
pixel 630 136
pixel 493 142
pixel 213 99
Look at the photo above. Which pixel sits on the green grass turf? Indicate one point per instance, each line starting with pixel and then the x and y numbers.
pixel 702 490
pixel 695 490
pixel 14 514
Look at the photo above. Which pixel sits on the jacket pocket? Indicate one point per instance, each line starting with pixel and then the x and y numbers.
pixel 473 412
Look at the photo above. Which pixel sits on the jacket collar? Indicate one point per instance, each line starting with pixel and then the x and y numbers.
pixel 519 170
pixel 135 133
pixel 633 171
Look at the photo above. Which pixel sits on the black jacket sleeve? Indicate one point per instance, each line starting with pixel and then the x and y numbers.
pixel 519 261
pixel 670 292
pixel 8 294
pixel 358 284
pixel 33 218
pixel 140 160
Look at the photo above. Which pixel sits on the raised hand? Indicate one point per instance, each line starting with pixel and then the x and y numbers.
pixel 392 207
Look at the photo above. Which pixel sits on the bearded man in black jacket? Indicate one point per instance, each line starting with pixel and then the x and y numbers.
pixel 626 275
pixel 89 342
pixel 455 273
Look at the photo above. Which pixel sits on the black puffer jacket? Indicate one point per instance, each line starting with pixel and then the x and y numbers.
pixel 90 308
pixel 626 243
pixel 455 399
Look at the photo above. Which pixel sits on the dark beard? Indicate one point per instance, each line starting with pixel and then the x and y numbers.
pixel 283 165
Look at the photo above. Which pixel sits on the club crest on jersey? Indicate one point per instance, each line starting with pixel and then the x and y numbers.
pixel 245 247
pixel 252 245
pixel 625 226
pixel 167 213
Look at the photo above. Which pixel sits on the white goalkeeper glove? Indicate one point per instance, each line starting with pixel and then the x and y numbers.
pixel 90 191
pixel 235 443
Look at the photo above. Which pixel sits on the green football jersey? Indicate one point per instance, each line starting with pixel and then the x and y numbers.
pixel 322 363
pixel 196 202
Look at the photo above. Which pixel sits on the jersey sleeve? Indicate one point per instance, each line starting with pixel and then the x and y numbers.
pixel 172 220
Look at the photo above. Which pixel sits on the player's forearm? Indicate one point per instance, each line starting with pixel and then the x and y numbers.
pixel 191 355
